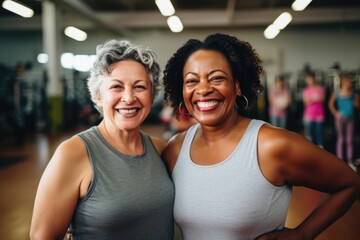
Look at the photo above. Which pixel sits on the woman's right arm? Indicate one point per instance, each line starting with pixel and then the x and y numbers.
pixel 331 105
pixel 59 190
pixel 172 150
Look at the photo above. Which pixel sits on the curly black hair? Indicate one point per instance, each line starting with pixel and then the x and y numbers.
pixel 245 65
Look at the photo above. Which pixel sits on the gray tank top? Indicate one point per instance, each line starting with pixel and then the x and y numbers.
pixel 130 197
pixel 229 200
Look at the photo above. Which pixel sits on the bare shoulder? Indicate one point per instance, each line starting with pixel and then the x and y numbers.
pixel 158 143
pixel 280 150
pixel 172 150
pixel 70 156
pixel 70 149
pixel 278 141
pixel 287 157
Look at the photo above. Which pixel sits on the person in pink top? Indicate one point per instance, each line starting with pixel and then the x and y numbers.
pixel 279 102
pixel 314 110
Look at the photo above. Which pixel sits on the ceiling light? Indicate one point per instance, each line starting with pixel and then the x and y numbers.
pixel 67 60
pixel 165 6
pixel 271 31
pixel 42 58
pixel 283 20
pixel 82 63
pixel 175 24
pixel 18 8
pixel 75 33
pixel 300 5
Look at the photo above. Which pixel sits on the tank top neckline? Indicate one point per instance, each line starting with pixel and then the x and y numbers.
pixel 117 152
pixel 191 136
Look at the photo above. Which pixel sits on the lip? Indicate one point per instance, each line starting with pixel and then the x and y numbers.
pixel 207 105
pixel 128 112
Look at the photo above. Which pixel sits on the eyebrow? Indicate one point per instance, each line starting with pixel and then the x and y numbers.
pixel 211 72
pixel 136 81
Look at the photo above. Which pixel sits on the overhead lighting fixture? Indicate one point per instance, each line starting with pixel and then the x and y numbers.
pixel 75 33
pixel 283 20
pixel 271 31
pixel 67 60
pixel 42 58
pixel 165 6
pixel 18 8
pixel 175 24
pixel 300 5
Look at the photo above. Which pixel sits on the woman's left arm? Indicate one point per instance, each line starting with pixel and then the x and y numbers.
pixel 296 161
pixel 159 144
pixel 357 101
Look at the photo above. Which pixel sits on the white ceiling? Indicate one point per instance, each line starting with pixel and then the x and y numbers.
pixel 123 16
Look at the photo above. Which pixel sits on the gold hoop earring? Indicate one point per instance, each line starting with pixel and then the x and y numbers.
pixel 246 101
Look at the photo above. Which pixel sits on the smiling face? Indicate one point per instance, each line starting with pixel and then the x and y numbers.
pixel 208 88
pixel 125 95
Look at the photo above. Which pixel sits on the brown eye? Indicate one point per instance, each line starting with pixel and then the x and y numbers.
pixel 139 88
pixel 190 81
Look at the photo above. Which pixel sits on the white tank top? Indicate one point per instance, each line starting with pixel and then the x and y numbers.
pixel 229 200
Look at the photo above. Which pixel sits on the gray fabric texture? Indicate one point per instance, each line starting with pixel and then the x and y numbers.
pixel 130 197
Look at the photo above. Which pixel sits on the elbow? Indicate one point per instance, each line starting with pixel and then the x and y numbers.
pixel 37 234
pixel 355 187
pixel 34 235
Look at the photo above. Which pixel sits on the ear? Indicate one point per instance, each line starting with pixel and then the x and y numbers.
pixel 98 99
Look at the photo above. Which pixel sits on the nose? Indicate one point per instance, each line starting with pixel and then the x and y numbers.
pixel 128 96
pixel 204 87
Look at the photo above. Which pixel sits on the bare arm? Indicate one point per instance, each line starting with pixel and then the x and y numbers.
pixel 159 144
pixel 172 150
pixel 59 190
pixel 289 158
pixel 331 105
pixel 357 101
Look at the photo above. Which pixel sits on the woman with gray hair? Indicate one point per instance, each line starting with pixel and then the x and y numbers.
pixel 108 182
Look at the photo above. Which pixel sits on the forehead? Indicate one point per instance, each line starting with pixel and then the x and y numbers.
pixel 126 66
pixel 208 58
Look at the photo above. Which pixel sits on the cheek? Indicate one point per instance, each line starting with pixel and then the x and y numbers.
pixel 146 99
pixel 186 92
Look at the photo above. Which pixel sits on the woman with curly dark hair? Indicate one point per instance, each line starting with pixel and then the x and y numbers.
pixel 233 175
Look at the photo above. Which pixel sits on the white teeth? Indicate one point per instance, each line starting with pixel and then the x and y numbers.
pixel 127 111
pixel 207 104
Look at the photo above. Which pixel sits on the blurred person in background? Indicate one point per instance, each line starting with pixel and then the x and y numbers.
pixel 175 123
pixel 109 181
pixel 279 102
pixel 314 110
pixel 342 105
pixel 233 175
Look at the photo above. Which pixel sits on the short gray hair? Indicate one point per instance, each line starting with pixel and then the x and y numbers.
pixel 113 51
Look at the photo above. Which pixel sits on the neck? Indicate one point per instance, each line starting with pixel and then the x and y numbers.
pixel 215 133
pixel 127 142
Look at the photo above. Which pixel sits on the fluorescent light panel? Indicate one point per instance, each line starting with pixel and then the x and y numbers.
pixel 175 24
pixel 18 8
pixel 165 6
pixel 283 20
pixel 300 5
pixel 75 33
pixel 271 32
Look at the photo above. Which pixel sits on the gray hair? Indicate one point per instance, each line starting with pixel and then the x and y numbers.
pixel 113 51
